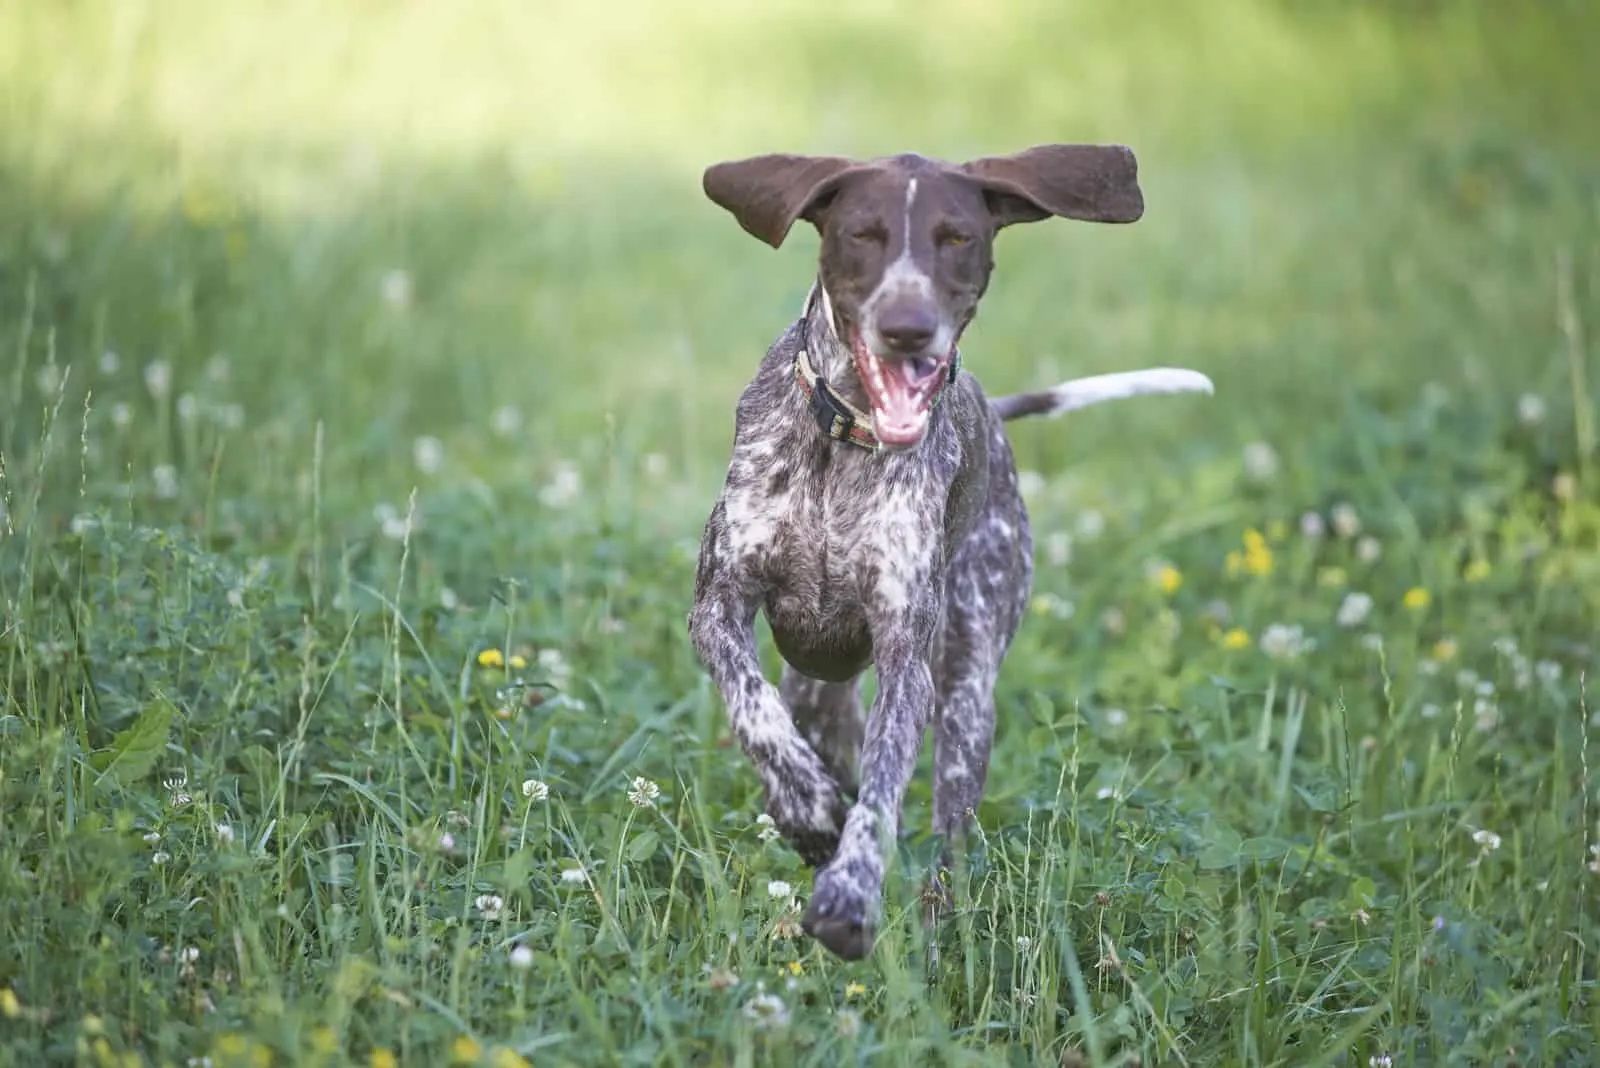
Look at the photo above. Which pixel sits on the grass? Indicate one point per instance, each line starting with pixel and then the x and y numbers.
pixel 368 373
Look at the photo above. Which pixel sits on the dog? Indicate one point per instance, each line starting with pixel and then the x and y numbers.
pixel 871 506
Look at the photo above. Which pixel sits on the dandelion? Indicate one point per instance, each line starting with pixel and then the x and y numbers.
pixel 521 957
pixel 1257 556
pixel 1311 526
pixel 1168 578
pixel 165 478
pixel 1353 610
pixel 779 888
pixel 396 288
pixel 1281 641
pixel 491 905
pixel 1445 650
pixel 517 661
pixel 1030 483
pixel 575 876
pixel 225 833
pixel 643 792
pixel 1368 549
pixel 767 1012
pixel 1236 638
pixel 1530 409
pixel 1487 840
pixel 491 658
pixel 506 1057
pixel 1260 461
pixel 535 789
pixel 121 415
pixel 428 454
pixel 1416 599
pixel 158 378
pixel 1477 570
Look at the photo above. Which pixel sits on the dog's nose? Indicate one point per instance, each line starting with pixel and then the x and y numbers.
pixel 907 328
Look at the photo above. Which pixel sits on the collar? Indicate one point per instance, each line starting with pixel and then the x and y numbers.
pixel 838 418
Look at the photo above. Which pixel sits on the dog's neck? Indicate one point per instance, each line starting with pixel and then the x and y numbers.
pixel 830 354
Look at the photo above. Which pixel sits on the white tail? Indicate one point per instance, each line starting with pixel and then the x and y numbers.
pixel 1083 392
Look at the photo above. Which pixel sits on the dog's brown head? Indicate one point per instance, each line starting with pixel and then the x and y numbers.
pixel 908 245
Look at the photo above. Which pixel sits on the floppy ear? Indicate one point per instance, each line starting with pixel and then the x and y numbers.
pixel 768 193
pixel 1094 183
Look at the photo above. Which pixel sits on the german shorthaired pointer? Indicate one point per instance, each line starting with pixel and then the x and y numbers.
pixel 871 505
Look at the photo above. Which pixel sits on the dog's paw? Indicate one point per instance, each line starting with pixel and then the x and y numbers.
pixel 840 916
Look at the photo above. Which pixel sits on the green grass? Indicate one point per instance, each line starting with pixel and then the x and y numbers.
pixel 271 284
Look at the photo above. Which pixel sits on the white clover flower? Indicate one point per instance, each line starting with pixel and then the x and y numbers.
pixel 506 421
pixel 447 842
pixel 121 415
pixel 1091 524
pixel 521 957
pixel 1530 409
pixel 1260 461
pixel 1486 839
pixel 229 416
pixel 1115 717
pixel 779 888
pixel 48 378
pixel 396 288
pixel 225 833
pixel 1548 672
pixel 1353 610
pixel 165 478
pixel 1281 641
pixel 158 378
pixel 491 905
pixel 109 362
pixel 555 666
pixel 1368 549
pixel 564 487
pixel 769 830
pixel 643 792
pixel 188 407
pixel 1380 1060
pixel 160 857
pixel 1107 793
pixel 428 454
pixel 1486 714
pixel 1467 679
pixel 1058 548
pixel 655 465
pixel 767 1012
pixel 576 876
pixel 152 837
pixel 1024 943
pixel 1430 711
pixel 1312 526
pixel 1372 641
pixel 1506 646
pixel 535 789
pixel 1346 523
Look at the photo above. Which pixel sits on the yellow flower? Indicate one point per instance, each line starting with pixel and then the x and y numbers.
pixel 1168 578
pixel 260 1056
pixel 324 1039
pixel 518 661
pixel 491 658
pixel 1332 577
pixel 1237 638
pixel 231 1046
pixel 506 1057
pixel 1476 571
pixel 1417 598
pixel 1444 650
pixel 10 1004
pixel 465 1050
pixel 382 1058
pixel 794 968
pixel 854 990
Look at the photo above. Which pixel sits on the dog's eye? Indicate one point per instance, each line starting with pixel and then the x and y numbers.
pixel 952 239
pixel 871 235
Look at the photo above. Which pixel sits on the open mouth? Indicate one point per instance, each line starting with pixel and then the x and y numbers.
pixel 900 391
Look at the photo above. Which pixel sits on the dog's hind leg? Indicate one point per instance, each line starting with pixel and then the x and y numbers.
pixel 830 718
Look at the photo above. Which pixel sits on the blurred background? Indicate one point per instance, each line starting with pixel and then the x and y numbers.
pixel 481 224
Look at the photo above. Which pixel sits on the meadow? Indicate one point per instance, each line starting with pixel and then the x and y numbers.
pixel 368 372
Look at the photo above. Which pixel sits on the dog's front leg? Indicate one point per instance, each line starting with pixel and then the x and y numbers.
pixel 802 797
pixel 846 899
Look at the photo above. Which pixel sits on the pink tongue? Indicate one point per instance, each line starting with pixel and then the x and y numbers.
pixel 898 404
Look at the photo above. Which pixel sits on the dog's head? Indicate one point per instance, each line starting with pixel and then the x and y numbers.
pixel 908 246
